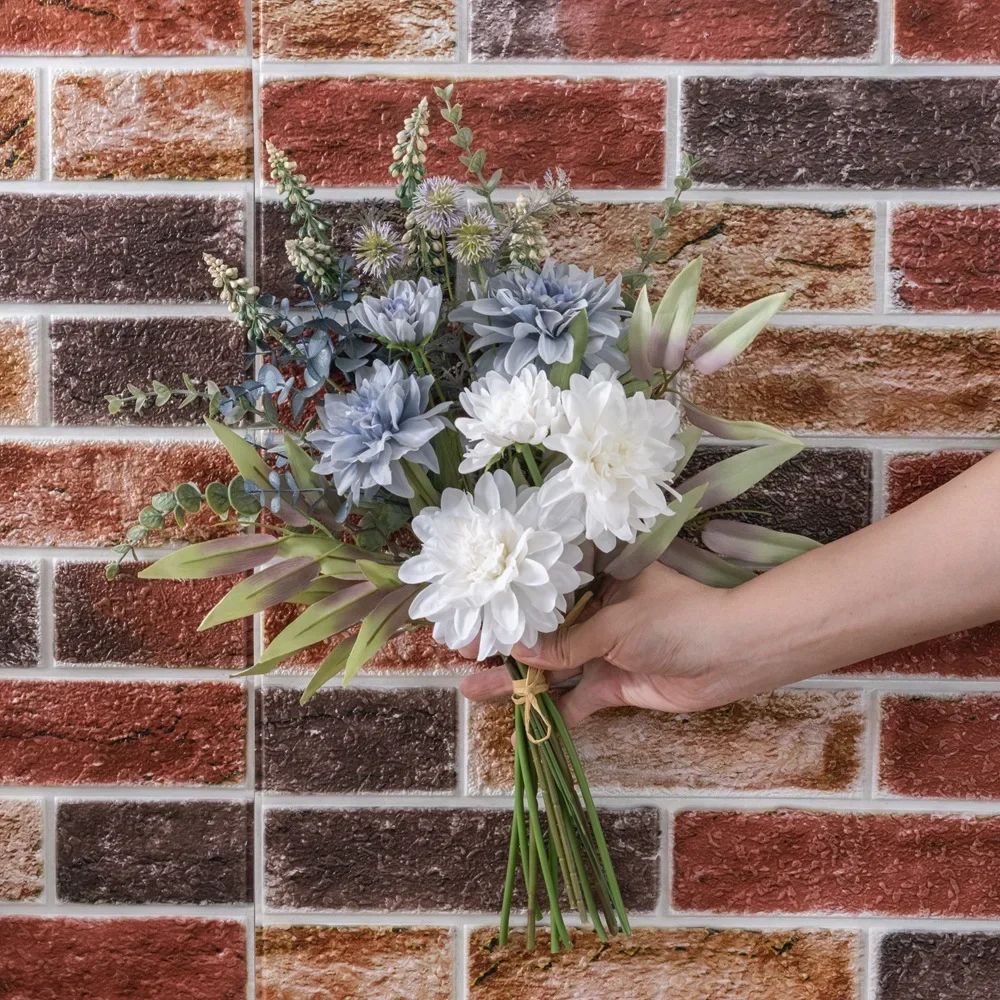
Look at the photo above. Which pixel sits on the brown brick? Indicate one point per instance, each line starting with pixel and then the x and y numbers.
pixel 358 741
pixel 944 258
pixel 18 372
pixel 696 964
pixel 604 132
pixel 692 30
pixel 20 850
pixel 971 653
pixel 799 740
pixel 948 30
pixel 294 963
pixel 823 256
pixel 19 628
pixel 143 622
pixel 447 860
pixel 925 966
pixel 187 126
pixel 357 29
pixel 91 358
pixel 909 477
pixel 128 733
pixel 91 493
pixel 842 131
pixel 915 865
pixel 100 248
pixel 123 958
pixel 862 380
pixel 17 126
pixel 122 27
pixel 153 852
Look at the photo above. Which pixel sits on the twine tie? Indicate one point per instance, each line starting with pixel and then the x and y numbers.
pixel 527 692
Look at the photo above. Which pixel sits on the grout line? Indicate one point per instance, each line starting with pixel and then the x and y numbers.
pixel 462 745
pixel 43 130
pixel 43 372
pixel 862 974
pixel 49 850
pixel 880 257
pixel 879 483
pixel 460 953
pixel 463 36
pixel 46 617
pixel 673 128
pixel 886 35
pixel 871 740
pixel 666 907
pixel 874 942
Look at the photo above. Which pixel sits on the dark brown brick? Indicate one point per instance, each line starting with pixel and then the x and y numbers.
pixel 450 860
pixel 91 358
pixel 358 741
pixel 154 852
pixel 843 131
pixel 19 628
pixel 822 492
pixel 97 248
pixel 924 966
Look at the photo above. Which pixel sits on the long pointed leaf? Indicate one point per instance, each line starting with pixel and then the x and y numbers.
pixel 219 557
pixel 730 338
pixel 754 544
pixel 263 590
pixel 689 438
pixel 735 475
pixel 638 337
pixel 673 319
pixel 392 613
pixel 335 661
pixel 579 329
pixel 379 575
pixel 705 567
pixel 733 430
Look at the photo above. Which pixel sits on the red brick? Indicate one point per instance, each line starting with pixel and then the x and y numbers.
pixel 20 849
pixel 129 733
pixel 58 958
pixel 153 125
pixel 303 962
pixel 91 493
pixel 603 132
pixel 122 27
pixel 18 372
pixel 948 30
pixel 917 865
pixel 17 126
pixel 143 622
pixel 911 476
pixel 940 747
pixel 694 30
pixel 654 964
pixel 971 653
pixel 944 258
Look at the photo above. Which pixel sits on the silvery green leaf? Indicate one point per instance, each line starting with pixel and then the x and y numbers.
pixel 218 557
pixel 332 665
pixel 673 319
pixel 638 337
pixel 754 544
pixel 734 430
pixel 579 328
pixel 735 475
pixel 379 625
pixel 689 439
pixel 164 502
pixel 705 567
pixel 188 497
pixel 217 498
pixel 380 575
pixel 730 338
pixel 150 517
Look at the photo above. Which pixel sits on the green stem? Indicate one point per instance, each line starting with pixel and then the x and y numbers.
pixel 557 835
pixel 444 264
pixel 532 465
pixel 515 836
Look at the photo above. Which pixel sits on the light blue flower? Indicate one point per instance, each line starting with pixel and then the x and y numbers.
pixel 523 317
pixel 406 314
pixel 438 204
pixel 366 434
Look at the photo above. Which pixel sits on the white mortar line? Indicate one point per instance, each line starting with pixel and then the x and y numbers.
pixel 48 850
pixel 463 46
pixel 879 483
pixel 870 743
pixel 460 952
pixel 235 912
pixel 672 164
pixel 886 33
pixel 862 975
pixel 109 310
pixel 43 124
pixel 129 793
pixel 43 371
pixel 880 257
pixel 666 907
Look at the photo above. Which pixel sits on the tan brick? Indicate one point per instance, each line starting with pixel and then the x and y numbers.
pixel 20 849
pixel 17 126
pixel 18 372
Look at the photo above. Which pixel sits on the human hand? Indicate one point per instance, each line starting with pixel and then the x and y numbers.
pixel 659 641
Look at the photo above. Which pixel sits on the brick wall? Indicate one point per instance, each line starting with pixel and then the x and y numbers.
pixel 839 840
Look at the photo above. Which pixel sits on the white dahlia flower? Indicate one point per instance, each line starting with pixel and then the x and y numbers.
pixel 621 457
pixel 522 410
pixel 495 566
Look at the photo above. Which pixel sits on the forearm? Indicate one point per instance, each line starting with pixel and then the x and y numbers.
pixel 929 569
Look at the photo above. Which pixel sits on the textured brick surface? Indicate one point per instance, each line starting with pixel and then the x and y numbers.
pixel 842 131
pixel 801 740
pixel 692 30
pixel 18 155
pixel 970 653
pixel 696 964
pixel 18 372
pixel 923 966
pixel 358 741
pixel 948 30
pixel 425 859
pixel 862 380
pixel 123 959
pixel 357 29
pixel 125 27
pixel 153 852
pixel 19 626
pixel 301 963
pixel 20 850
pixel 133 733
pixel 810 862
pixel 606 133
pixel 90 493
pixel 822 492
pixel 944 258
pixel 100 248
pixel 909 477
pixel 143 622
pixel 153 125
pixel 940 747
pixel 92 357
pixel 823 256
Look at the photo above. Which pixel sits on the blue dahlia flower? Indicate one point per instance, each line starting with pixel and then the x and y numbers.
pixel 406 314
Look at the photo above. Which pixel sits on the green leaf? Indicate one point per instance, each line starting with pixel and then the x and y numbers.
pixel 313 546
pixel 111 572
pixel 689 438
pixel 673 319
pixel 335 661
pixel 478 161
pixel 217 498
pixel 219 557
pixel 300 463
pixel 114 404
pixel 164 502
pixel 188 497
pixel 426 495
pixel 734 430
pixel 638 337
pixel 705 567
pixel 493 183
pixel 379 625
pixel 735 475
pixel 754 544
pixel 150 517
pixel 579 328
pixel 379 574
pixel 730 338
pixel 137 533
pixel 241 501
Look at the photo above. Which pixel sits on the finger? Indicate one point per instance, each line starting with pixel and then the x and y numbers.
pixel 573 646
pixel 496 683
pixel 597 689
pixel 470 652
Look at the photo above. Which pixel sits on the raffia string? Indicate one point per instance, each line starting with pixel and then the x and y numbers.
pixel 526 693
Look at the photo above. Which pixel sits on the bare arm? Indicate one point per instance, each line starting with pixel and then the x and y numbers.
pixel 665 642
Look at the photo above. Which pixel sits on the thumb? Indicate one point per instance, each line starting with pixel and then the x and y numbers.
pixel 597 689
pixel 572 647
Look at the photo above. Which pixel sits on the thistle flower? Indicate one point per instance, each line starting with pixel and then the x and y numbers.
pixel 296 195
pixel 365 434
pixel 438 205
pixel 310 258
pixel 523 316
pixel 409 155
pixel 474 239
pixel 495 566
pixel 406 314
pixel 378 248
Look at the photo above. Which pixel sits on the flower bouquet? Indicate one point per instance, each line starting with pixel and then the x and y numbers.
pixel 449 428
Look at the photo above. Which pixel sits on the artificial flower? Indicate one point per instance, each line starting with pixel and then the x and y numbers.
pixel 474 240
pixel 406 314
pixel 438 205
pixel 378 248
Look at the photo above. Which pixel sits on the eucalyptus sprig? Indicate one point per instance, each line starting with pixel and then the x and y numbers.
pixel 159 394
